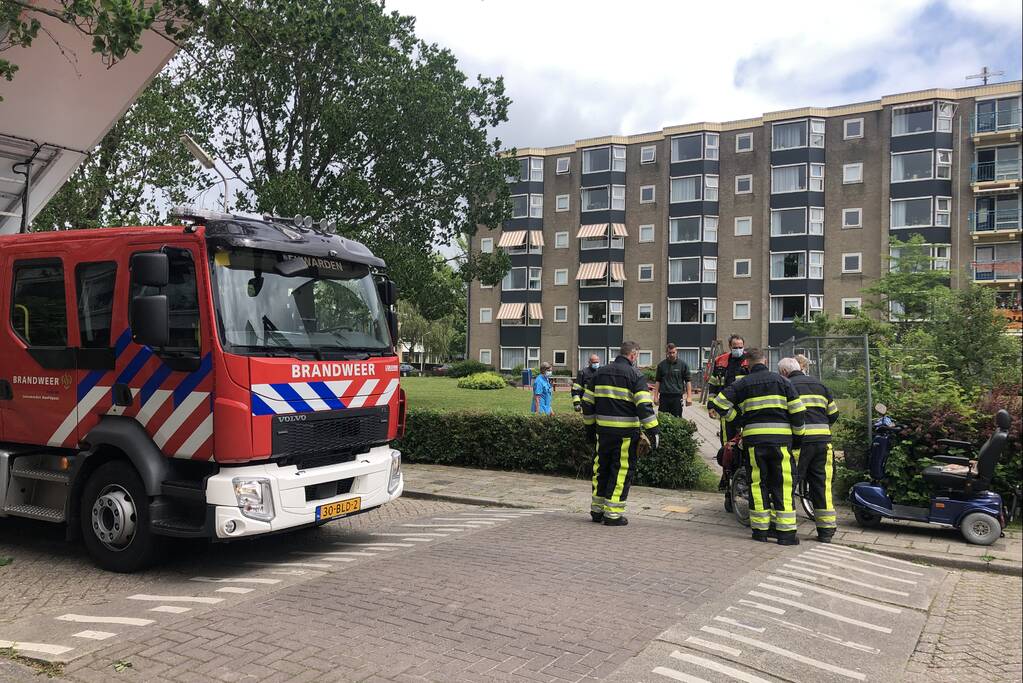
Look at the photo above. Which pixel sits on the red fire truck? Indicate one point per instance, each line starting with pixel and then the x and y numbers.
pixel 226 377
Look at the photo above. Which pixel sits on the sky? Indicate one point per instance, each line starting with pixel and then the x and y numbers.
pixel 577 69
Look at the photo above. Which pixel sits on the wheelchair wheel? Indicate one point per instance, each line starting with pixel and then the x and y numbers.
pixel 740 496
pixel 866 518
pixel 729 507
pixel 980 528
pixel 805 500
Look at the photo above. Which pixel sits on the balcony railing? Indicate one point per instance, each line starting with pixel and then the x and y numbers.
pixel 997 171
pixel 1003 121
pixel 996 270
pixel 986 220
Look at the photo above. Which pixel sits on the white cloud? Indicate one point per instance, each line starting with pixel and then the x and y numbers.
pixel 582 69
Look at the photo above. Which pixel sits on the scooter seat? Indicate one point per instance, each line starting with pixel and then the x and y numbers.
pixel 936 476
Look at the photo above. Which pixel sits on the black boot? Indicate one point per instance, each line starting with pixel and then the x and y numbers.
pixel 616 521
pixel 760 535
pixel 825 535
pixel 597 517
pixel 772 532
pixel 787 538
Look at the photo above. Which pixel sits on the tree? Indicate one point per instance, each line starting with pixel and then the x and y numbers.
pixel 335 108
pixel 906 292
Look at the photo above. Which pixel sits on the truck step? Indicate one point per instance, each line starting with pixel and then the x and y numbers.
pixel 35 512
pixel 39 474
pixel 177 527
pixel 188 489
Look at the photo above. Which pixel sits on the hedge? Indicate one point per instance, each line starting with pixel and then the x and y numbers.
pixel 468 367
pixel 482 380
pixel 544 444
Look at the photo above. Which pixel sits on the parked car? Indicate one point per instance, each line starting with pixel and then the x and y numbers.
pixel 406 370
pixel 442 369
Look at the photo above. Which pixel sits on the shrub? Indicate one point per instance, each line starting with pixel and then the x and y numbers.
pixel 468 367
pixel 546 444
pixel 482 380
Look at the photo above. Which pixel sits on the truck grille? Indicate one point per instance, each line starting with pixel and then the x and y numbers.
pixel 316 439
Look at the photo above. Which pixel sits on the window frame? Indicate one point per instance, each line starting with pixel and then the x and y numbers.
pixel 711 183
pixel 558 236
pixel 806 134
pixel 931 167
pixel 639 359
pixel 557 203
pixel 845 303
pixel 748 136
pixel 560 271
pixel 653 194
pixel 939 212
pixel 558 309
pixel 653 233
pixel 699 270
pixel 617 202
pixel 584 190
pixel 610 159
pixel 699 230
pixel 639 312
pixel 653 154
pixel 772 297
pixel 486 245
pixel 671 144
pixel 558 170
pixel 859 262
pixel 806 221
pixel 806 178
pixel 514 197
pixel 536 202
pixel 845 128
pixel 564 358
pixel 490 356
pixel 745 176
pixel 891 213
pixel 736 226
pixel 79 314
pixel 735 310
pixel 934 112
pixel 859 218
pixel 699 310
pixel 749 268
pixel 708 310
pixel 639 272
pixel 709 265
pixel 810 265
pixel 516 289
pixel 858 165
pixel 490 315
pixel 812 211
pixel 617 167
pixel 806 265
pixel 699 186
pixel 612 313
pixel 588 302
pixel 709 227
pixel 46 262
pixel 535 165
pixel 815 183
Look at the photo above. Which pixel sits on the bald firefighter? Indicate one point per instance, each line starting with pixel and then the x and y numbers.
pixel 770 415
pixel 617 409
pixel 582 380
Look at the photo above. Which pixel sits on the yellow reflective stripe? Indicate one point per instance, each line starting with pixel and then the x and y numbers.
pixel 799 430
pixel 766 405
pixel 650 421
pixel 730 415
pixel 814 400
pixel 829 467
pixel 641 397
pixel 611 391
pixel 759 517
pixel 622 422
pixel 587 397
pixel 786 485
pixel 721 401
pixel 816 429
pixel 766 398
pixel 589 420
pixel 773 428
pixel 623 471
pixel 832 408
pixel 796 406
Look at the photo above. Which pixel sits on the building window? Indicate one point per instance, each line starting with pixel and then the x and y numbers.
pixel 850 307
pixel 536 206
pixel 515 279
pixel 687 148
pixel 559 358
pixel 520 206
pixel 852 129
pixel 618 197
pixel 596 160
pixel 710 142
pixel 561 314
pixel 536 169
pixel 916 118
pixel 946 110
pixel 815 302
pixel 943 165
pixel 743 184
pixel 646 272
pixel 533 356
pixel 534 278
pixel 485 356
pixel 512 358
pixel 943 211
pixel 710 312
pixel 561 202
pixel 788 265
pixel 561 240
pixel 646 194
pixel 908 166
pixel 486 315
pixel 487 245
pixel 683 311
pixel 683 270
pixel 852 173
pixel 740 310
pixel 938 255
pixel 788 179
pixel 851 263
pixel 561 276
pixel 911 213
pixel 686 189
pixel 743 226
pixel 615 313
pixel 785 309
pixel 741 267
pixel 710 192
pixel 645 312
pixel 788 135
pixel 710 228
pixel 596 198
pixel 816 265
pixel 648 154
pixel 645 359
pixel 816 221
pixel 563 165
pixel 788 222
pixel 618 159
pixel 710 269
pixel 817 133
pixel 852 218
pixel 997 114
pixel 744 142
pixel 593 313
pixel 685 229
pixel 646 233
pixel 816 177
pixel 586 352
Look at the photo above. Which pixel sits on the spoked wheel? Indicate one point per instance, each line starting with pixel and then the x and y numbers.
pixel 740 496
pixel 805 500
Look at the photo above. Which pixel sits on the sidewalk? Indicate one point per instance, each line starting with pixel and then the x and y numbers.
pixel 926 544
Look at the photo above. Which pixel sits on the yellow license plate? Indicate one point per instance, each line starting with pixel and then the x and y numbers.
pixel 338 509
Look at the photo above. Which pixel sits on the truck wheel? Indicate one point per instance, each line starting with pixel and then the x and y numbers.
pixel 980 528
pixel 866 518
pixel 115 519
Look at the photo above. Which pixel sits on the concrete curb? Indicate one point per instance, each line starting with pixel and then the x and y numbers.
pixel 936 559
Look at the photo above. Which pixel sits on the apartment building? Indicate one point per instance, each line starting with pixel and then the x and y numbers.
pixel 702 230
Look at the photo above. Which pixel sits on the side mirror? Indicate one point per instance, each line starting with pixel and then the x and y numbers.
pixel 150 320
pixel 388 292
pixel 392 326
pixel 881 408
pixel 151 269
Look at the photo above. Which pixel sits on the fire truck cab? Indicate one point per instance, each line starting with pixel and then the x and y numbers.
pixel 223 378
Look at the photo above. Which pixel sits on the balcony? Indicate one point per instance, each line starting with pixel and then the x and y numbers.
pixel 996 223
pixel 997 271
pixel 995 126
pixel 995 176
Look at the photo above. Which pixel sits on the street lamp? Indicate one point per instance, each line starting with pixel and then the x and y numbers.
pixel 203 157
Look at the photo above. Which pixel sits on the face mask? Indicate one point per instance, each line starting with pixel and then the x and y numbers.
pixel 594 365
pixel 547 373
pixel 737 353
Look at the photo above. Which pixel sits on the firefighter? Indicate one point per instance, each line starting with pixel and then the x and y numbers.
pixel 583 379
pixel 728 367
pixel 770 415
pixel 815 460
pixel 617 409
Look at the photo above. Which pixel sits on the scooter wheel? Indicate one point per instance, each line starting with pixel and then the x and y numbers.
pixel 980 528
pixel 866 518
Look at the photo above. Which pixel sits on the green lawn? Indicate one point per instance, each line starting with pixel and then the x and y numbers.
pixel 442 393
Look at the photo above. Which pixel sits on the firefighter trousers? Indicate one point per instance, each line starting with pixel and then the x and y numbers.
pixel 728 430
pixel 816 465
pixel 613 470
pixel 771 471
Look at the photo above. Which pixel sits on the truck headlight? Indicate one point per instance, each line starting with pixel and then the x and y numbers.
pixel 255 499
pixel 395 479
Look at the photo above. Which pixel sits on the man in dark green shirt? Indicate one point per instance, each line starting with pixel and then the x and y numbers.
pixel 673 384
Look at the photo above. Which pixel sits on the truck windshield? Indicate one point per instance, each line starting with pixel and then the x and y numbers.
pixel 270 301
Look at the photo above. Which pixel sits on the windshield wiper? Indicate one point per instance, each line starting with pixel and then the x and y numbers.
pixel 280 351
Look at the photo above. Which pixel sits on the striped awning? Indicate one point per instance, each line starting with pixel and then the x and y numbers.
pixel 515 238
pixel 618 272
pixel 618 230
pixel 510 311
pixel 591 271
pixel 536 238
pixel 593 230
pixel 535 312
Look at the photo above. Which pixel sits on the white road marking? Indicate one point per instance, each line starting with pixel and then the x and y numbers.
pixel 762 606
pixel 175 598
pixel 123 621
pixel 440 527
pixel 677 675
pixel 850 551
pixel 829 553
pixel 341 553
pixel 94 635
pixel 733 622
pixel 210 579
pixel 795 656
pixel 462 519
pixel 810 563
pixel 171 609
pixel 491 516
pixel 414 536
pixel 377 545
pixel 326 557
pixel 706 644
pixel 806 631
pixel 836 594
pixel 41 648
pixel 844 580
pixel 737 674
pixel 786 591
pixel 839 562
pixel 822 612
pixel 359 545
pixel 308 565
pixel 234 589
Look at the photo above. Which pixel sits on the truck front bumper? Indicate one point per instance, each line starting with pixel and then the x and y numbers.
pixel 371 482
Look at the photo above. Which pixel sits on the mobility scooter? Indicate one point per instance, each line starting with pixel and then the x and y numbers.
pixel 961 497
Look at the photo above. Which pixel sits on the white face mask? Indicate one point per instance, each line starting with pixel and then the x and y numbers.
pixel 594 365
pixel 547 373
pixel 737 353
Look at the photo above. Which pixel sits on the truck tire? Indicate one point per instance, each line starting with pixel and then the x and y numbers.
pixel 114 517
pixel 980 528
